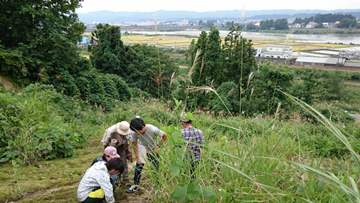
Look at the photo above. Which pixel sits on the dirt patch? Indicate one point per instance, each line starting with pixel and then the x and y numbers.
pixel 356 117
pixel 7 84
pixel 35 196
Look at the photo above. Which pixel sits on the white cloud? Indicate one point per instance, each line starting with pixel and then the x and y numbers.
pixel 211 5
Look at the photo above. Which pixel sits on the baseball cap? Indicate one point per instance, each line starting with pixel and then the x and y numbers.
pixel 111 152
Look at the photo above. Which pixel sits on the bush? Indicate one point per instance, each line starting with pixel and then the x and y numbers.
pixel 228 93
pixel 332 112
pixel 38 123
pixel 121 87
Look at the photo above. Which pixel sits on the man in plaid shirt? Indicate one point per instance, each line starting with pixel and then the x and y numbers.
pixel 194 138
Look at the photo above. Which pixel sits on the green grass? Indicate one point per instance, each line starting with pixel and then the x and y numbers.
pixel 254 160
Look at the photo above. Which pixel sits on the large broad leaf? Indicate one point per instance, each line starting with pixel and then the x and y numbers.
pixel 179 194
pixel 209 194
pixel 193 191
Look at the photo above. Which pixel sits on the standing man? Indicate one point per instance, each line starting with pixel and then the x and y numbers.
pixel 194 139
pixel 147 134
pixel 95 185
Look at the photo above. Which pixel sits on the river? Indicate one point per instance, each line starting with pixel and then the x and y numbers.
pixel 310 38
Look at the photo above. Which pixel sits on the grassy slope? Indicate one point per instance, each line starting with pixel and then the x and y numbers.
pixel 258 138
pixel 18 181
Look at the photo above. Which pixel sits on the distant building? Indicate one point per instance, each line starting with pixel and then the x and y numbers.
pixel 311 25
pixel 296 26
pixel 275 52
pixel 353 63
pixel 320 61
pixel 328 25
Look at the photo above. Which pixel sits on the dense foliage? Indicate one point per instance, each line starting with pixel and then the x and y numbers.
pixel 39 123
pixel 344 20
pixel 145 67
pixel 278 24
pixel 38 40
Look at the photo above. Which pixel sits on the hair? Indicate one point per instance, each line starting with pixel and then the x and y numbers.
pixel 187 121
pixel 116 164
pixel 114 134
pixel 137 124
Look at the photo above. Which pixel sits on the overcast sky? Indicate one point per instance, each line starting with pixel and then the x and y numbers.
pixel 213 5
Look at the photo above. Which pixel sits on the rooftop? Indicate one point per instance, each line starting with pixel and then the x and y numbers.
pixel 331 61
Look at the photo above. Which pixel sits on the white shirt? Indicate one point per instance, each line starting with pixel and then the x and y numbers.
pixel 149 138
pixel 96 176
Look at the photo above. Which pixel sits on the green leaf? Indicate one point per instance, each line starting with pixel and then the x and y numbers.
pixel 179 194
pixel 209 194
pixel 193 191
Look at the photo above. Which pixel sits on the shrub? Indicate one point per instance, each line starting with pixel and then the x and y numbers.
pixel 38 123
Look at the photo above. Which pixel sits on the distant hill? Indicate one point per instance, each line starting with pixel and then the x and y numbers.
pixel 129 17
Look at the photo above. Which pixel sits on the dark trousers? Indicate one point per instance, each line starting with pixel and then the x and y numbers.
pixel 153 158
pixel 93 200
pixel 193 165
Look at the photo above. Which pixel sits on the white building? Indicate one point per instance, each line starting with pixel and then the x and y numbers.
pixel 322 61
pixel 275 52
pixel 311 25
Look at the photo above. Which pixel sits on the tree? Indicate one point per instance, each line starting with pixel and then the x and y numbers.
pixel 239 62
pixel 265 96
pixel 198 76
pixel 266 24
pixel 281 24
pixel 213 64
pixel 348 23
pixel 42 35
pixel 108 51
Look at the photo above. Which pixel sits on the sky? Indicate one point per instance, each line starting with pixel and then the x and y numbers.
pixel 214 5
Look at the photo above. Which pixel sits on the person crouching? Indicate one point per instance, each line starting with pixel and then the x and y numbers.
pixel 95 185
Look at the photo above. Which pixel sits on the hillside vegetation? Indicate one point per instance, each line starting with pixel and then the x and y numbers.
pixel 245 159
pixel 272 134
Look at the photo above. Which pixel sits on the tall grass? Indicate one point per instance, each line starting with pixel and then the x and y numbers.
pixel 252 160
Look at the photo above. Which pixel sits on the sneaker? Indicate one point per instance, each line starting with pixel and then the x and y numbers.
pixel 133 189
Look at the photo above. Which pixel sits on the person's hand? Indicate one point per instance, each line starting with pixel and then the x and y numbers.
pixel 113 142
pixel 138 161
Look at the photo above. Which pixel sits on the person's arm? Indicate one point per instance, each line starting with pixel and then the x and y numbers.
pixel 136 151
pixel 200 138
pixel 105 139
pixel 128 153
pixel 134 142
pixel 163 138
pixel 104 182
pixel 161 133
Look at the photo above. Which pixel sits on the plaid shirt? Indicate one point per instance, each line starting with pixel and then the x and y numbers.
pixel 194 138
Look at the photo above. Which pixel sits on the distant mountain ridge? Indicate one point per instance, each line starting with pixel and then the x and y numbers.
pixel 125 16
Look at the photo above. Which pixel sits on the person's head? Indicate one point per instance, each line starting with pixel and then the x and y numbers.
pixel 117 139
pixel 110 153
pixel 115 166
pixel 186 123
pixel 123 128
pixel 137 125
pixel 186 120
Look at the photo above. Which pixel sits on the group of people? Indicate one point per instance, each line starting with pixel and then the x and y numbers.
pixel 111 169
